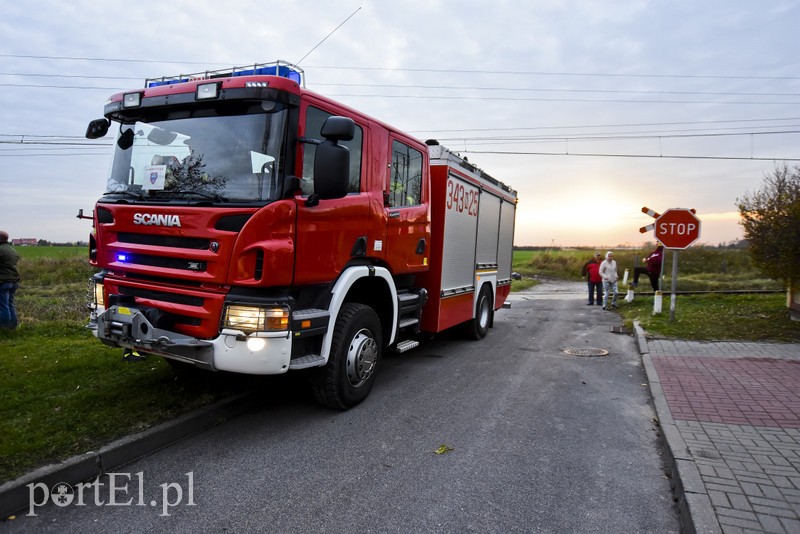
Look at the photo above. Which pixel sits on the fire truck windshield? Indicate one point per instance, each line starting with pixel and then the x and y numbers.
pixel 201 155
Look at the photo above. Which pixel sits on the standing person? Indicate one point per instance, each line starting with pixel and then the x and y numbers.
pixel 591 270
pixel 653 269
pixel 608 272
pixel 9 282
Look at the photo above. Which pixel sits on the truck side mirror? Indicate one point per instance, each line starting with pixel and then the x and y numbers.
pixel 332 160
pixel 97 128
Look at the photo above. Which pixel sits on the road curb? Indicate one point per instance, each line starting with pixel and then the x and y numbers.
pixel 694 505
pixel 14 494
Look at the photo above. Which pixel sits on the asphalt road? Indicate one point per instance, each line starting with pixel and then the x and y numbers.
pixel 536 440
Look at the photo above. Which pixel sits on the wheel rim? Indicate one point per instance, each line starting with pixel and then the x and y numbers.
pixel 361 358
pixel 483 312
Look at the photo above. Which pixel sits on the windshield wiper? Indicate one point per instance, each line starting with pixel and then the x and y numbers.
pixel 210 196
pixel 128 193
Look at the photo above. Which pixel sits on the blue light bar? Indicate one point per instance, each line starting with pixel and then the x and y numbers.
pixel 122 257
pixel 278 68
pixel 170 81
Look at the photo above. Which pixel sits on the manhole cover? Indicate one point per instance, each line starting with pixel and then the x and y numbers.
pixel 586 352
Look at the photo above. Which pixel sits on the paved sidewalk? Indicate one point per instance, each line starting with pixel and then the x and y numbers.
pixel 730 413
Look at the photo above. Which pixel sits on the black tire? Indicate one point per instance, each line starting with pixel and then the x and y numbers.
pixel 484 314
pixel 356 348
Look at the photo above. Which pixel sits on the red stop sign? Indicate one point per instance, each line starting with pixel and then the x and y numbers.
pixel 677 228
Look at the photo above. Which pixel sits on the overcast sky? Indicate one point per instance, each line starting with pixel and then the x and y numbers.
pixel 692 102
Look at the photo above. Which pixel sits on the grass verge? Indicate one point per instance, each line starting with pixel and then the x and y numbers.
pixel 749 317
pixel 64 393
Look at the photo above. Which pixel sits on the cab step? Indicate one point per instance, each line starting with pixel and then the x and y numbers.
pixel 405 346
pixel 408 321
pixel 306 362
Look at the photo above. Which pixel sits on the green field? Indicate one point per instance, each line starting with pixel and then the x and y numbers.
pixel 64 393
pixel 699 268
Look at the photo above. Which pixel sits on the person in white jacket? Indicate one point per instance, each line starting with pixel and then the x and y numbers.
pixel 608 272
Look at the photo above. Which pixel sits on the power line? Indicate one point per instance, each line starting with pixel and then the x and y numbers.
pixel 622 125
pixel 48 75
pixel 577 137
pixel 396 69
pixel 546 73
pixel 620 136
pixel 410 86
pixel 552 90
pixel 599 155
pixel 111 60
pixel 455 97
pixel 539 128
pixel 493 98
pixel 33 86
pixel 587 100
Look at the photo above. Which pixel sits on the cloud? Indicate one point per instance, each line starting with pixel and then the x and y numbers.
pixel 632 70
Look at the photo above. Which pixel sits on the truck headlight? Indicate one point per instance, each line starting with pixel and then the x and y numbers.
pixel 95 296
pixel 251 319
pixel 98 294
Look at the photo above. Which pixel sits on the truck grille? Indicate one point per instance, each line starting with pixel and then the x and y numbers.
pixel 163 296
pixel 164 241
pixel 166 262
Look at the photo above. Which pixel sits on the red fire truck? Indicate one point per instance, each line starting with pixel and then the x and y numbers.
pixel 254 226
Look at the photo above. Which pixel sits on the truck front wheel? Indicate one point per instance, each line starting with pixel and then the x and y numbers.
pixel 356 347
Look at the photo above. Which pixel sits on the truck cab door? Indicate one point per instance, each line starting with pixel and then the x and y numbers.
pixel 406 196
pixel 330 232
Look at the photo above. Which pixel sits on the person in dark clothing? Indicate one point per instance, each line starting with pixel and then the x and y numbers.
pixel 591 270
pixel 9 282
pixel 653 268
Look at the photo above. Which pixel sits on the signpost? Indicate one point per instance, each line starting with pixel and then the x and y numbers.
pixel 676 229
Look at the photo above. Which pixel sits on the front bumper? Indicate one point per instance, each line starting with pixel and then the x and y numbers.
pixel 263 353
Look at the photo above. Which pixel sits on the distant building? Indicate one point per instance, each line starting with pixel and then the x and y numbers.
pixel 25 242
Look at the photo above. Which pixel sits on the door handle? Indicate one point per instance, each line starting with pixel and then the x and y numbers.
pixel 394 214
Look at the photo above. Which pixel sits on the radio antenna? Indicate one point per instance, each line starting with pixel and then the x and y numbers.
pixel 326 37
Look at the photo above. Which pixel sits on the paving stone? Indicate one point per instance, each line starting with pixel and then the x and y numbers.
pixel 719 498
pixel 781 481
pixel 729 489
pixel 780 512
pixel 738 514
pixel 751 489
pixel 771 523
pixel 752 524
pixel 739 502
pixel 771 492
pixel 774 503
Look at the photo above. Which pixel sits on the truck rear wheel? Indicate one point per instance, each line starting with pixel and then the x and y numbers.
pixel 356 347
pixel 479 326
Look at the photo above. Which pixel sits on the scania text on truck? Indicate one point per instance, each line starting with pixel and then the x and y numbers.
pixel 254 226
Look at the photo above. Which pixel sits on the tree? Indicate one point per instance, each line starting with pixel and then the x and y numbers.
pixel 190 176
pixel 771 223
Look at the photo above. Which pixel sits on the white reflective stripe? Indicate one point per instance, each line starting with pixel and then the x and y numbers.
pixel 490 279
pixel 340 290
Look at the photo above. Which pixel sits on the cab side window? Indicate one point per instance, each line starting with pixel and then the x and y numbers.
pixel 315 118
pixel 405 188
